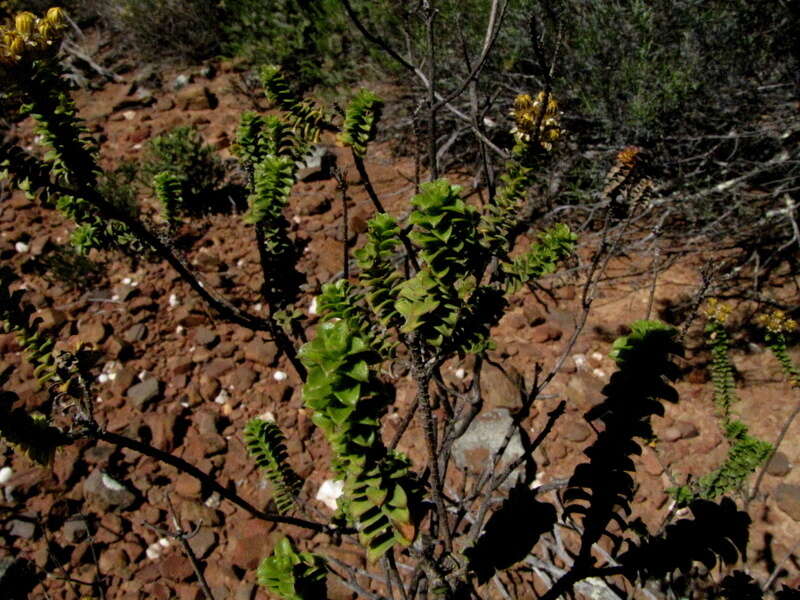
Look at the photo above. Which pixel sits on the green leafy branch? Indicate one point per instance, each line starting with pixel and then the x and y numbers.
pixel 266 444
pixel 293 575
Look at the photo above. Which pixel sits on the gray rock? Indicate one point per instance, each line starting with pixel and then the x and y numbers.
pixel 318 166
pixel 203 542
pixel 475 449
pixel 74 531
pixel 136 333
pixel 779 465
pixel 499 389
pixel 107 492
pixel 144 391
pixel 20 528
pixel 181 81
pixel 787 497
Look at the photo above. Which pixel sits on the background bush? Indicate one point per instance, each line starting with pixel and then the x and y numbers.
pixel 182 152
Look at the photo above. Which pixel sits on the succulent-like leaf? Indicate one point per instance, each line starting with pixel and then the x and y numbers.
pixel 360 121
pixel 293 575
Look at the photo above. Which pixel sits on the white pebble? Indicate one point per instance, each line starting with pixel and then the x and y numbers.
pixel 580 360
pixel 240 263
pixel 267 416
pixel 279 376
pixel 180 329
pixel 129 115
pixel 460 373
pixel 329 492
pixel 112 376
pixel 599 373
pixel 312 308
pixel 6 473
pixel 257 307
pixel 185 404
pixel 102 378
pixel 21 247
pixel 164 542
pixel 111 484
pixel 126 280
pixel 222 397
pixel 142 375
pixel 173 300
pixel 153 553
pixel 596 356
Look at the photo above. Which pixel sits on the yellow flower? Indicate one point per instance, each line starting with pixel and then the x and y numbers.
pixel 24 23
pixel 56 16
pixel 716 311
pixel 527 112
pixel 777 322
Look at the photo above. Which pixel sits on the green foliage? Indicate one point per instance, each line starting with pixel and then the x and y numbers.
pixel 360 121
pixel 266 445
pixel 31 434
pixel 160 30
pixel 721 368
pixel 293 575
pixel 502 215
pixel 378 275
pixel 446 234
pixel 259 137
pixel 168 193
pixel 182 153
pixel 745 453
pixel 303 36
pixel 37 346
pixel 273 179
pixel 306 117
pixel 348 400
pixel 541 259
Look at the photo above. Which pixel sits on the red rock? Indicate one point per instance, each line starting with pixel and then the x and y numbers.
pixel 50 318
pixel 217 367
pixel 176 567
pixel 188 486
pixel 261 352
pixel 250 543
pixel 787 497
pixel 162 428
pixel 576 432
pixel 650 462
pixel 545 333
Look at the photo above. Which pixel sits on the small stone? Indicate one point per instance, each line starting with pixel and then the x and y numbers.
pixel 197 98
pixel 136 333
pixel 203 336
pixel 23 529
pixel 50 318
pixel 650 463
pixel 187 317
pixel 74 531
pixel 124 292
pixel 242 379
pixel 779 465
pixel 107 492
pixel 499 389
pixel 188 486
pixel 688 430
pixel 203 542
pixel 92 332
pixel 144 391
pixel 118 349
pixel 260 352
pixel 787 497
pixel 671 434
pixel 576 432
pixel 162 429
pixel 176 567
pixel 249 544
pixel 545 333
pixel 113 560
pixel 218 367
pixel 209 387
pixel 515 320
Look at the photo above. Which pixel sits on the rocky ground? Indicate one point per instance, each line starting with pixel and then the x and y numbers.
pixel 175 376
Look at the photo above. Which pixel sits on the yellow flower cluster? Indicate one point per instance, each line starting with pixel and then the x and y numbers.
pixel 528 112
pixel 716 311
pixel 777 322
pixel 30 35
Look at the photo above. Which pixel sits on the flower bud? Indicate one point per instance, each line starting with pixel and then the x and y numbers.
pixel 24 23
pixel 15 45
pixel 47 32
pixel 56 16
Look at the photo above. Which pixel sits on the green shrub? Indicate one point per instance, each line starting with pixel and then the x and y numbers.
pixel 182 153
pixel 177 30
